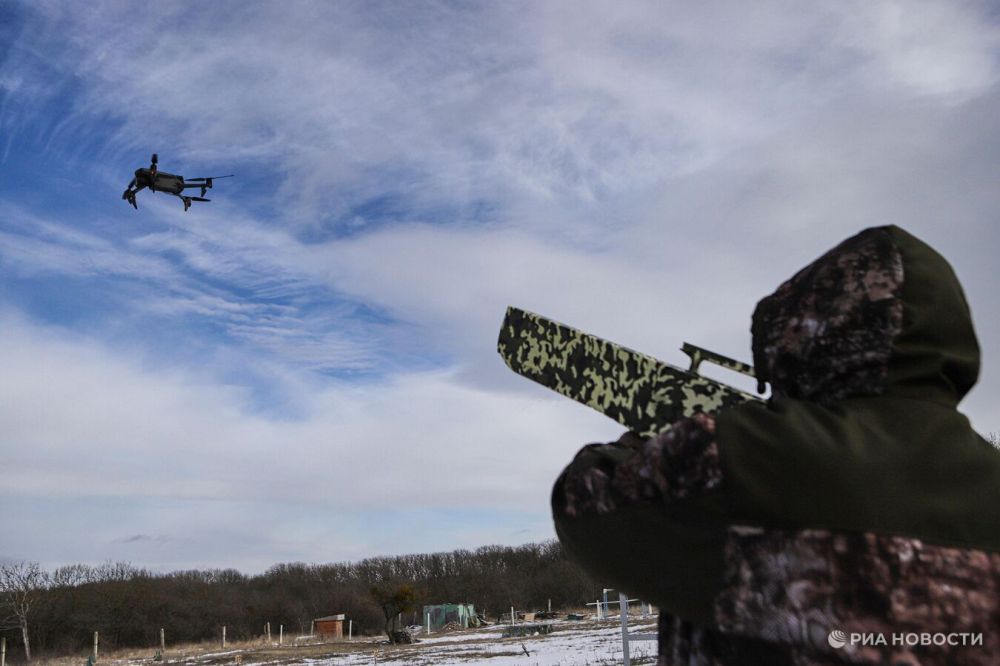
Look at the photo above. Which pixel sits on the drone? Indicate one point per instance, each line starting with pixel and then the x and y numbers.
pixel 161 181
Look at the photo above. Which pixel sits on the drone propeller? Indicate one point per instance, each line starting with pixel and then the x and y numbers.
pixel 198 199
pixel 187 180
pixel 205 182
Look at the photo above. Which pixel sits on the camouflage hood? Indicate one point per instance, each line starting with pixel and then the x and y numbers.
pixel 868 351
pixel 880 314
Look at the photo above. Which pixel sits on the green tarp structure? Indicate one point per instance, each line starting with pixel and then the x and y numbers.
pixel 441 614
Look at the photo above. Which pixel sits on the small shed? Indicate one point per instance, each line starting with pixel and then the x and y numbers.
pixel 331 626
pixel 439 615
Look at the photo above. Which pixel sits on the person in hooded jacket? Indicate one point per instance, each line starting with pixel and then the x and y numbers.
pixel 852 518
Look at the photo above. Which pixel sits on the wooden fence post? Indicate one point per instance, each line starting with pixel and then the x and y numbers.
pixel 3 651
pixel 163 641
pixel 223 637
pixel 268 628
pixel 95 646
pixel 281 634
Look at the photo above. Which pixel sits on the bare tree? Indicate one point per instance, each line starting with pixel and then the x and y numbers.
pixel 20 585
pixel 994 439
pixel 72 575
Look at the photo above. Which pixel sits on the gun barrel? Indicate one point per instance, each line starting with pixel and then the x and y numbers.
pixel 640 392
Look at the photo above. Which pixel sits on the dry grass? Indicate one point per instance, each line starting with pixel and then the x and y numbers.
pixel 259 651
pixel 213 653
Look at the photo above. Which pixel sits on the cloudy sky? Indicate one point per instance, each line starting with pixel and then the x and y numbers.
pixel 305 368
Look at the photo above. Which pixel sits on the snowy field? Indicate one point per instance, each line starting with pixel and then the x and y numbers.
pixel 571 643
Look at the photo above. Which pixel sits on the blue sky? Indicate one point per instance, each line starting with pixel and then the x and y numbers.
pixel 305 368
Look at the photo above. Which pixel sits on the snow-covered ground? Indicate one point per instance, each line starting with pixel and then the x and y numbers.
pixel 570 644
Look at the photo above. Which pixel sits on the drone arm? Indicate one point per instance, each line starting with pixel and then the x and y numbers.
pixel 132 185
pixel 204 184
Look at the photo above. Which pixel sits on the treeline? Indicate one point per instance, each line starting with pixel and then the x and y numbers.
pixel 129 605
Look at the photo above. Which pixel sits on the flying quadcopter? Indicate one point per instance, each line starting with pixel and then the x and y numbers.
pixel 161 181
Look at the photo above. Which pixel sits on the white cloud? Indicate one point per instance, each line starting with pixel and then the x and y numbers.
pixel 84 424
pixel 32 245
pixel 72 404
pixel 642 171
pixel 935 48
pixel 567 101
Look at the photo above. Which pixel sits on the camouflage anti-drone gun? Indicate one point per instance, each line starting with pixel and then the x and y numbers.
pixel 640 392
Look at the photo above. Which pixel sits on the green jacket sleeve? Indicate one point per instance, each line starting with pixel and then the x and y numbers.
pixel 648 516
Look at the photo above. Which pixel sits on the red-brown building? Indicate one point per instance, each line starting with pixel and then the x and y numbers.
pixel 331 626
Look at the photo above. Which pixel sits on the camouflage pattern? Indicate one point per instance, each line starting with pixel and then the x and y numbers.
pixel 795 588
pixel 674 465
pixel 683 643
pixel 827 333
pixel 638 391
